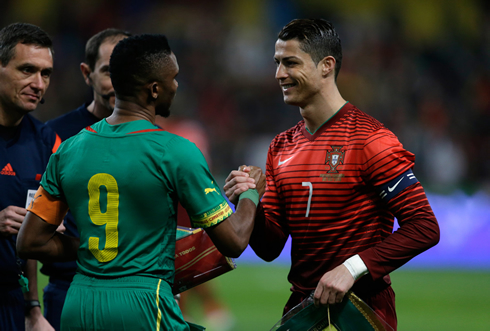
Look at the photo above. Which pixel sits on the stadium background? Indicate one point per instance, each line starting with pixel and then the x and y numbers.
pixel 422 67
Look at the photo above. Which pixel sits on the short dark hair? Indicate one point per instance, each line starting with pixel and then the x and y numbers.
pixel 136 61
pixel 93 44
pixel 317 37
pixel 23 33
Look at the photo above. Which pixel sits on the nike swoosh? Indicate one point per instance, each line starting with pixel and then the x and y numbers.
pixel 282 162
pixel 390 189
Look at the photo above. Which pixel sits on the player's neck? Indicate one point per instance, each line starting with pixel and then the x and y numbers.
pixel 322 109
pixel 98 110
pixel 128 111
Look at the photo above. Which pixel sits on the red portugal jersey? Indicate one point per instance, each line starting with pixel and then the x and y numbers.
pixel 328 190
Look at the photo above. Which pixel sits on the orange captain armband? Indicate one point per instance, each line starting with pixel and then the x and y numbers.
pixel 51 210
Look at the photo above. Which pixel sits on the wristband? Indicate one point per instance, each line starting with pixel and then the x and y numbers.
pixel 29 304
pixel 356 266
pixel 251 194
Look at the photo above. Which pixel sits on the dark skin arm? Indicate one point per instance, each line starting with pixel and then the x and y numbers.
pixel 39 240
pixel 237 182
pixel 231 236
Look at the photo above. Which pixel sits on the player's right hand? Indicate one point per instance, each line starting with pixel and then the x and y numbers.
pixel 237 182
pixel 11 219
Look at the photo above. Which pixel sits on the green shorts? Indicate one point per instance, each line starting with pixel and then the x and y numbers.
pixel 127 303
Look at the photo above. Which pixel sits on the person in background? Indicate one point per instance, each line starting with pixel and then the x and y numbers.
pixel 124 201
pixel 26 64
pixel 335 183
pixel 95 71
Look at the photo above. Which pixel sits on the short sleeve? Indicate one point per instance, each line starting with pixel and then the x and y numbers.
pixel 193 183
pixel 384 158
pixel 50 180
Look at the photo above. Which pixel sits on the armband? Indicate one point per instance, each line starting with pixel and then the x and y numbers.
pixel 356 266
pixel 251 194
pixel 389 190
pixel 51 210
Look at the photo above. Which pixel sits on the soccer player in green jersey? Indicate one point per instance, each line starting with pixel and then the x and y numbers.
pixel 122 179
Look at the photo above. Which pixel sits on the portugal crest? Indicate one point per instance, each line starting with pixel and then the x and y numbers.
pixel 335 156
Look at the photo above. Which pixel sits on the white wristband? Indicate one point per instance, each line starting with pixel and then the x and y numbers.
pixel 356 266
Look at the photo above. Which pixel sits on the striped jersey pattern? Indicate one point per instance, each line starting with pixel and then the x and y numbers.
pixel 321 189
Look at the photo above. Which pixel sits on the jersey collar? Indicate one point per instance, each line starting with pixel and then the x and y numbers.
pixel 331 121
pixel 124 128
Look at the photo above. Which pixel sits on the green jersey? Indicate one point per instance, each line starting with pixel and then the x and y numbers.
pixel 122 184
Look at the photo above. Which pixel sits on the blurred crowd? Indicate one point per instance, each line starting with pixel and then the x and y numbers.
pixel 421 67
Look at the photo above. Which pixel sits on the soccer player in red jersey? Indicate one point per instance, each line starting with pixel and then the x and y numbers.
pixel 335 183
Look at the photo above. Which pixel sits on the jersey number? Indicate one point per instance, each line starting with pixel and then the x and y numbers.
pixel 309 197
pixel 109 218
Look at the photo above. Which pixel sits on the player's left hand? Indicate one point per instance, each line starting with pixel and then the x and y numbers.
pixel 333 286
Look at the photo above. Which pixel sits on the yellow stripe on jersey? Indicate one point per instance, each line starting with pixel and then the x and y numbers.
pixel 212 217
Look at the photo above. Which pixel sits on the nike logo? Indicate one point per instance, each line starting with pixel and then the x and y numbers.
pixel 390 189
pixel 282 162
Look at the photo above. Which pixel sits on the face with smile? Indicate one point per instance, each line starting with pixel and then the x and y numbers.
pixel 300 79
pixel 169 86
pixel 25 79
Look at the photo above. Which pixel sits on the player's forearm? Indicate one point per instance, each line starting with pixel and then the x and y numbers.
pixel 231 236
pixel 418 232
pixel 39 240
pixel 31 275
pixel 267 239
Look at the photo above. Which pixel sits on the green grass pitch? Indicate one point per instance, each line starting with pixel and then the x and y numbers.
pixel 426 299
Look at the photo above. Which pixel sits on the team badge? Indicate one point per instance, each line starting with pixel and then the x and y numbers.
pixel 335 156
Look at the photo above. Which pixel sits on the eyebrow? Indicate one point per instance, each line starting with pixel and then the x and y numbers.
pixel 28 64
pixel 286 58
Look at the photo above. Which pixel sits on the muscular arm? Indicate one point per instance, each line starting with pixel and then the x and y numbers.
pixel 267 239
pixel 418 232
pixel 39 240
pixel 231 236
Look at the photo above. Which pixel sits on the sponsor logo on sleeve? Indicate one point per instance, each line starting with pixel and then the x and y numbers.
pixel 209 190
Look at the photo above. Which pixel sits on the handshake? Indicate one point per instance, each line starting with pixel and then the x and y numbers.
pixel 239 181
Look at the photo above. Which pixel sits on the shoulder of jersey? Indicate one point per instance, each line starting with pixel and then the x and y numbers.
pixel 289 134
pixel 364 120
pixel 62 119
pixel 47 135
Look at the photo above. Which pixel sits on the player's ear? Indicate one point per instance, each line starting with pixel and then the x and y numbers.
pixel 154 90
pixel 85 69
pixel 327 65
